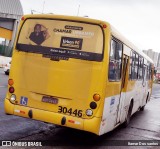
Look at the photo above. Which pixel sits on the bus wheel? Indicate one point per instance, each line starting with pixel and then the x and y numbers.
pixel 125 124
pixel 142 108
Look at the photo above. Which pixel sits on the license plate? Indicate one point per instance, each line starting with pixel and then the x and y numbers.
pixel 51 100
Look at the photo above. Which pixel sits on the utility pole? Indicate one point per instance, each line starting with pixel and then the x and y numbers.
pixel 43 7
pixel 78 10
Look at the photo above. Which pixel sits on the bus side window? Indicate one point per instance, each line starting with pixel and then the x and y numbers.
pixel 142 64
pixel 133 65
pixel 150 71
pixel 136 66
pixel 140 68
pixel 144 72
pixel 115 61
pixel 130 67
pixel 147 77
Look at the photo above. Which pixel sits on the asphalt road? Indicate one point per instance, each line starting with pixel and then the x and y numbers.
pixel 144 125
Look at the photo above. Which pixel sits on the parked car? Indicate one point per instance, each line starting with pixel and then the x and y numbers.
pixel 6 68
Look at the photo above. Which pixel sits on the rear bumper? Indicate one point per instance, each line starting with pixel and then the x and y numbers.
pixel 90 125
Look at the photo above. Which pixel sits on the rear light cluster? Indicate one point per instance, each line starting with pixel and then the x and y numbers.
pixel 104 26
pixel 93 104
pixel 13 97
pixel 11 90
pixel 10 82
pixel 23 18
pixel 96 97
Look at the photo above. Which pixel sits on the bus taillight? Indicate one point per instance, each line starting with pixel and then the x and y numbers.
pixel 13 97
pixel 89 112
pixel 93 105
pixel 96 97
pixel 10 82
pixel 11 89
pixel 23 18
pixel 104 26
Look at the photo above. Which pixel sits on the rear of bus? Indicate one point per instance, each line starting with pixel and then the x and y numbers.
pixel 58 71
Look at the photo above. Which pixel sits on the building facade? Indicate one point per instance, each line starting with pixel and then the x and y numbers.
pixel 10 13
pixel 155 56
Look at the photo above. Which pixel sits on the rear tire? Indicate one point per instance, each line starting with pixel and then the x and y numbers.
pixel 126 123
pixel 142 108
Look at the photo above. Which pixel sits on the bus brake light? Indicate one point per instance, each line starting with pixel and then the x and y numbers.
pixel 104 26
pixel 11 89
pixel 23 18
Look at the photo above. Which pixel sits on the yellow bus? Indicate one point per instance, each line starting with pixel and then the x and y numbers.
pixel 76 72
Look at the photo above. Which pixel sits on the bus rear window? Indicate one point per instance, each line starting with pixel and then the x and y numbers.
pixel 65 39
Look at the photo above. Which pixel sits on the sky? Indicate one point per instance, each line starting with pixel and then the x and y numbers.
pixel 137 20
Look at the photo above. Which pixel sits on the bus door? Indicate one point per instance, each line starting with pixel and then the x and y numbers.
pixel 144 83
pixel 144 76
pixel 123 87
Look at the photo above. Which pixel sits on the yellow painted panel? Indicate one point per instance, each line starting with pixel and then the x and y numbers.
pixel 5 33
pixel 9 108
pixel 113 88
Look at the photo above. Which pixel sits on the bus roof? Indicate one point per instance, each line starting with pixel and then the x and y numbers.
pixel 65 17
pixel 129 44
pixel 114 32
